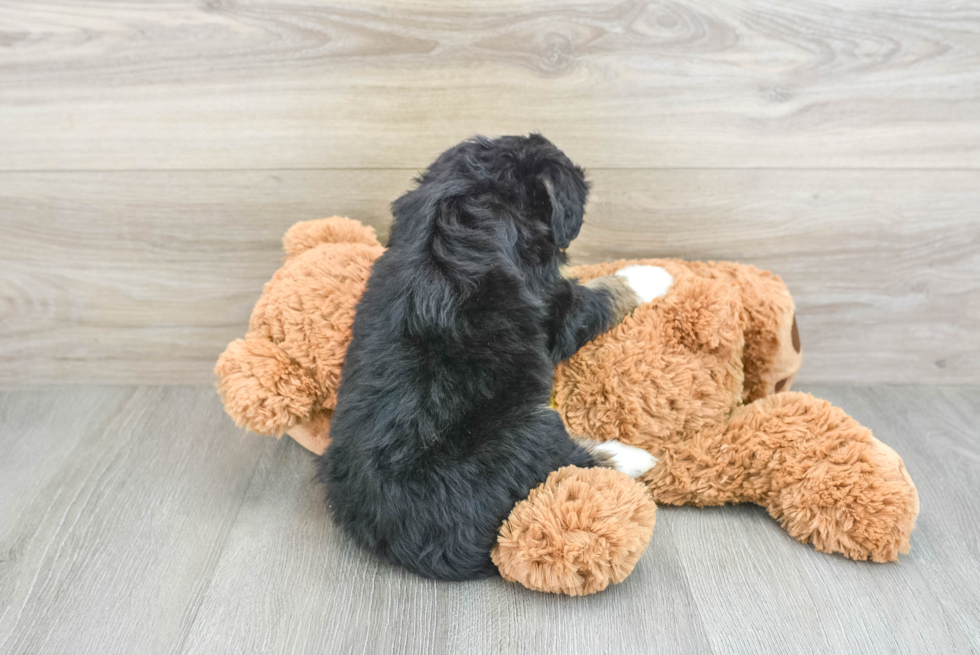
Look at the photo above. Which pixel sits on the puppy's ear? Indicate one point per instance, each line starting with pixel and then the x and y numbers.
pixel 567 192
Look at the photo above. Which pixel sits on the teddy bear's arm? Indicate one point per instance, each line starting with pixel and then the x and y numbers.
pixel 263 389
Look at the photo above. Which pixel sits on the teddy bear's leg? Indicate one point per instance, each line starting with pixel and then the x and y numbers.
pixel 576 533
pixel 820 473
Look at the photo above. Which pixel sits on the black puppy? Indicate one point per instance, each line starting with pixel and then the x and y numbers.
pixel 442 421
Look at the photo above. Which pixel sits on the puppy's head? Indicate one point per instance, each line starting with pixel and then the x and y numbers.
pixel 528 172
pixel 563 184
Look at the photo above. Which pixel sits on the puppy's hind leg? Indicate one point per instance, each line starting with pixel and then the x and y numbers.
pixel 630 460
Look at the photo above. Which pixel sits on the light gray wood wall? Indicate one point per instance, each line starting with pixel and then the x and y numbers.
pixel 151 156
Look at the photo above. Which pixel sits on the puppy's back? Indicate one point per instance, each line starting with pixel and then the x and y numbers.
pixel 441 423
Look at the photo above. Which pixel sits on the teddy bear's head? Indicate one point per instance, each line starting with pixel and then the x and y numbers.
pixel 680 363
pixel 286 370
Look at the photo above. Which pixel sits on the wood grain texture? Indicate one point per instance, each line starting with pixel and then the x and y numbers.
pixel 884 266
pixel 152 154
pixel 144 277
pixel 141 520
pixel 243 84
pixel 115 507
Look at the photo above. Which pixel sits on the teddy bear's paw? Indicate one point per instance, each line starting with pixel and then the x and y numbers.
pixel 647 282
pixel 576 533
pixel 630 460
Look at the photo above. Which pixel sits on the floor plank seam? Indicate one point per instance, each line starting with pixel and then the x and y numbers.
pixel 182 647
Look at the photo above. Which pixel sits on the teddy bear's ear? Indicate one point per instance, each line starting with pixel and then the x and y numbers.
pixel 337 229
pixel 262 388
pixel 703 314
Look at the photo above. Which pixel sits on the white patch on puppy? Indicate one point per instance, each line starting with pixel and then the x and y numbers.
pixel 630 460
pixel 647 282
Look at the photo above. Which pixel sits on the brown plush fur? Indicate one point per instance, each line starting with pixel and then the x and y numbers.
pixel 577 533
pixel 283 376
pixel 691 377
pixel 671 379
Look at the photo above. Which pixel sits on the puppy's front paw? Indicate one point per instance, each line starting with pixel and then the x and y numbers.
pixel 630 460
pixel 647 282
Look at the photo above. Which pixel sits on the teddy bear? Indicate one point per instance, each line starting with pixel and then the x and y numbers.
pixel 700 378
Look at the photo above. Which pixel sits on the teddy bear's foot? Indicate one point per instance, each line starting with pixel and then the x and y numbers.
pixel 576 533
pixel 776 372
pixel 816 470
pixel 773 353
pixel 314 434
pixel 857 499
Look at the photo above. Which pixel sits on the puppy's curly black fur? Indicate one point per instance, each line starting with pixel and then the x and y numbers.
pixel 442 421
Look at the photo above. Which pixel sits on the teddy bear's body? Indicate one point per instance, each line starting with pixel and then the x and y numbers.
pixel 693 379
pixel 700 378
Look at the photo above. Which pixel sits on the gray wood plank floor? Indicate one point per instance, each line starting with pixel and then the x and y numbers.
pixel 140 520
